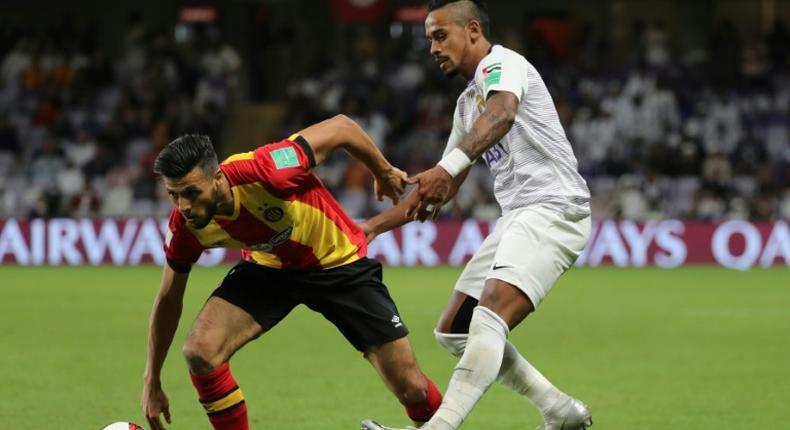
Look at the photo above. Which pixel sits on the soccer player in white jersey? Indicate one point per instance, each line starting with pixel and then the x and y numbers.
pixel 506 117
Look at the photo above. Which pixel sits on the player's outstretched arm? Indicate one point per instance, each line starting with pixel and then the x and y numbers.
pixel 342 132
pixel 492 125
pixel 162 327
pixel 400 214
pixel 434 185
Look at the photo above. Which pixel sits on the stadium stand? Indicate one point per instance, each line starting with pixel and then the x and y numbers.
pixel 79 130
pixel 667 134
pixel 699 137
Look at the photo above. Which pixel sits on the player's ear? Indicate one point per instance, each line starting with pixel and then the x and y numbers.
pixel 474 30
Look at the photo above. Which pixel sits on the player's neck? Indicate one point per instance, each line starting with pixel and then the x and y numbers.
pixel 479 51
pixel 226 204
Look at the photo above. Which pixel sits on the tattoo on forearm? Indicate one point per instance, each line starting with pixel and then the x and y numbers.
pixel 492 125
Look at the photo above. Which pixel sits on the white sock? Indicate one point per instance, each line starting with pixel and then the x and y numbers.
pixel 522 377
pixel 516 372
pixel 476 371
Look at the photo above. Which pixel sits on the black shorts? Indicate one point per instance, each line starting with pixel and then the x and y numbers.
pixel 352 297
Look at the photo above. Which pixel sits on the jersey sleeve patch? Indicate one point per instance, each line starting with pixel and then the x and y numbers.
pixel 492 74
pixel 502 70
pixel 284 158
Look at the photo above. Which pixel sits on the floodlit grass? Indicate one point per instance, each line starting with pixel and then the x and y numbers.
pixel 693 348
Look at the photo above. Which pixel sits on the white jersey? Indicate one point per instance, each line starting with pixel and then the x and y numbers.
pixel 534 163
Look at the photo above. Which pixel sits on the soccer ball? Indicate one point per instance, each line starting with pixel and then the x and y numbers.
pixel 122 426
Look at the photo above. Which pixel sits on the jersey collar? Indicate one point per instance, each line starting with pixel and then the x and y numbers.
pixel 236 206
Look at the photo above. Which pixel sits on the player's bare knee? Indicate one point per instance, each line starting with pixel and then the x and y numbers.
pixel 507 301
pixel 199 356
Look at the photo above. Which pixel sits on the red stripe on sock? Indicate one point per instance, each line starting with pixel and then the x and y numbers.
pixel 212 387
pixel 422 412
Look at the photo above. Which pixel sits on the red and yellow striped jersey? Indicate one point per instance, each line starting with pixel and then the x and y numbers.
pixel 283 215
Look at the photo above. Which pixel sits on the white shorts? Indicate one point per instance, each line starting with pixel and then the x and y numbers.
pixel 529 248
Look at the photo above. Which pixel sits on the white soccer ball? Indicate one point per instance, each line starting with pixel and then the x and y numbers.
pixel 122 426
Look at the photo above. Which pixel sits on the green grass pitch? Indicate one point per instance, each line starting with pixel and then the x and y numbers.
pixel 693 348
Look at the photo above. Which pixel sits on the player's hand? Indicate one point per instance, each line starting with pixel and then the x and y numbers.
pixel 433 187
pixel 368 230
pixel 154 403
pixel 391 184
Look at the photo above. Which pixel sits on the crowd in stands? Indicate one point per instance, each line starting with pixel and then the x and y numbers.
pixel 699 134
pixel 79 129
pixel 668 133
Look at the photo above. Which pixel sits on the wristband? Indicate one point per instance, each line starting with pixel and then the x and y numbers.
pixel 455 162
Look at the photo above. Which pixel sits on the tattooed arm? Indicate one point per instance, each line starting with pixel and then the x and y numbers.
pixel 492 125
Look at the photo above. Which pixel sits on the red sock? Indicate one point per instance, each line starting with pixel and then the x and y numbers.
pixel 422 412
pixel 222 399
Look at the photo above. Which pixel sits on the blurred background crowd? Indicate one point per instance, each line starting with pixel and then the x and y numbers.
pixel 661 129
pixel 80 128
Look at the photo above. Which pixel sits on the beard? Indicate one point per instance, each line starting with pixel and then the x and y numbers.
pixel 204 220
pixel 451 73
pixel 211 210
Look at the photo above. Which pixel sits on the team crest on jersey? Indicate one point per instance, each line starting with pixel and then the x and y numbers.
pixel 481 103
pixel 273 214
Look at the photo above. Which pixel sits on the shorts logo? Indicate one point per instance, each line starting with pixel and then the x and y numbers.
pixel 273 214
pixel 396 321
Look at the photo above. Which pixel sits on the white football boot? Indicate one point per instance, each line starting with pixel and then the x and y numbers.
pixel 569 414
pixel 372 425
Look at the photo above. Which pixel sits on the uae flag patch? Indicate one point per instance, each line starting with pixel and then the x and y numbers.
pixel 492 74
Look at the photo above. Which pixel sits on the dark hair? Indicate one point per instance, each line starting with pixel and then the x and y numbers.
pixel 182 155
pixel 481 12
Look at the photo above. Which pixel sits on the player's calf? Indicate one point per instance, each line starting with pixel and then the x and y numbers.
pixel 398 367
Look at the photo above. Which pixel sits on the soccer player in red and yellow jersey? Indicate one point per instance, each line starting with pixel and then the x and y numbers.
pixel 298 247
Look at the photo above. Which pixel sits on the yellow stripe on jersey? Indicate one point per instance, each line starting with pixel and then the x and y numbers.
pixel 266 259
pixel 232 399
pixel 214 236
pixel 240 156
pixel 330 245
